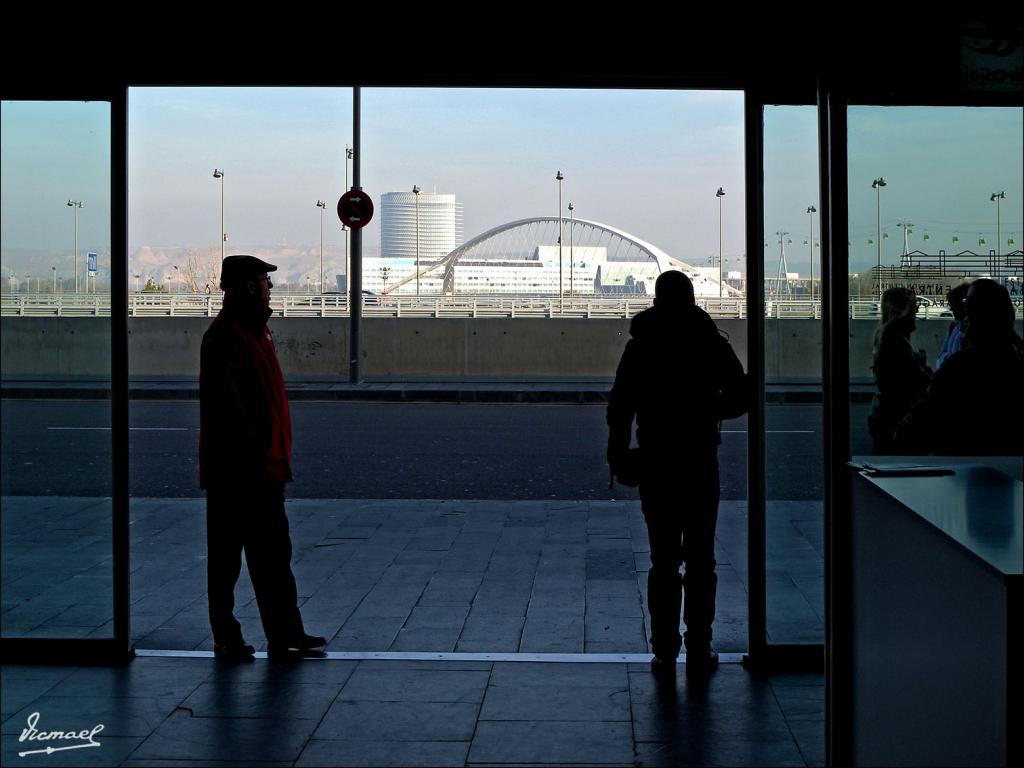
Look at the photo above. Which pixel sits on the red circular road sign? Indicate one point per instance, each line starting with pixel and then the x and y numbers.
pixel 355 209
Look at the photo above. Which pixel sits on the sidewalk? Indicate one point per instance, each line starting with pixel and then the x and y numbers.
pixel 563 577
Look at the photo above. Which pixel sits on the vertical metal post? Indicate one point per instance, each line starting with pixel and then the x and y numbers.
pixel 356 281
pixel 572 262
pixel 416 195
pixel 834 226
pixel 77 206
pixel 558 178
pixel 119 369
pixel 754 174
pixel 811 210
pixel 720 194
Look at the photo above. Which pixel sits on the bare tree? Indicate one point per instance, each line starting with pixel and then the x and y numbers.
pixel 202 275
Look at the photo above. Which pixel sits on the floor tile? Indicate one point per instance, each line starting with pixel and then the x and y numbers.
pixel 593 743
pixel 556 702
pixel 184 737
pixel 269 700
pixel 420 685
pixel 398 721
pixel 119 716
pixel 321 752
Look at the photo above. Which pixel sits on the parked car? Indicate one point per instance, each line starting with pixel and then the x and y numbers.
pixel 370 299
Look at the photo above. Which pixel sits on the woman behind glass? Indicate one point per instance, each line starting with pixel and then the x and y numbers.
pixel 901 375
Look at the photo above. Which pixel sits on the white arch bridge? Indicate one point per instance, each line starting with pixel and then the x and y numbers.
pixel 517 241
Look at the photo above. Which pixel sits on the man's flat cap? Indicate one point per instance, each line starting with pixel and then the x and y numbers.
pixel 236 269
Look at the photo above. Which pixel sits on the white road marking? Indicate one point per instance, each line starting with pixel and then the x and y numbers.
pixel 133 429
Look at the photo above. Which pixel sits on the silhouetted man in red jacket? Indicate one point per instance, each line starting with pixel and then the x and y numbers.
pixel 244 462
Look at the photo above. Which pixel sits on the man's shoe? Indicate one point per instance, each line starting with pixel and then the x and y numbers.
pixel 663 667
pixel 701 663
pixel 233 653
pixel 295 646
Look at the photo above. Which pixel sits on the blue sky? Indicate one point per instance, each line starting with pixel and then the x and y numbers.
pixel 648 162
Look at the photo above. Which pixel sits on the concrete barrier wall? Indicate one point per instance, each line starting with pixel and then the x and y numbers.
pixel 393 347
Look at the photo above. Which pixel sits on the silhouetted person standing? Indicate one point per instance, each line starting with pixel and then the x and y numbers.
pixel 901 376
pixel 955 337
pixel 678 378
pixel 965 411
pixel 244 463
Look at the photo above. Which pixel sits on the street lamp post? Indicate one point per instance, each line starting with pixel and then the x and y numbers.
pixel 996 197
pixel 54 270
pixel 877 185
pixel 76 204
pixel 720 194
pixel 416 195
pixel 177 279
pixel 559 177
pixel 811 210
pixel 572 263
pixel 219 174
pixel 322 206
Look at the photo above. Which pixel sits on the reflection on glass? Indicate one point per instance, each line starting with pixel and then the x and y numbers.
pixel 922 181
pixel 795 601
pixel 55 483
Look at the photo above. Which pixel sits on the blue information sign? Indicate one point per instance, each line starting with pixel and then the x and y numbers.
pixel 92 262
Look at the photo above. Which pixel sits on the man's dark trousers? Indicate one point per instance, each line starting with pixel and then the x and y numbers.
pixel 680 507
pixel 253 520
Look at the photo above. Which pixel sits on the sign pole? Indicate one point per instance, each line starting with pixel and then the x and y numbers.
pixel 355 299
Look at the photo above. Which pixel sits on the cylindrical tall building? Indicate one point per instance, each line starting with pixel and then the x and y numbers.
pixel 440 225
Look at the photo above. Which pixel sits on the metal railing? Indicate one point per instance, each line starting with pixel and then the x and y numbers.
pixel 336 305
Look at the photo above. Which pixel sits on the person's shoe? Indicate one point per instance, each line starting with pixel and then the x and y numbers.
pixel 233 653
pixel 701 663
pixel 295 646
pixel 663 668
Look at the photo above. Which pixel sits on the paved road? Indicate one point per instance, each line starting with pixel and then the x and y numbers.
pixel 384 450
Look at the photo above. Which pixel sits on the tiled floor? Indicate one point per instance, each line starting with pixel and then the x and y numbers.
pixel 403 575
pixel 190 712
pixel 514 577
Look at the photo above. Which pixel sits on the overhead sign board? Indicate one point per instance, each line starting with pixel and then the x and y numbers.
pixel 355 209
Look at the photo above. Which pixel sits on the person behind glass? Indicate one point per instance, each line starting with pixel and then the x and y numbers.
pixel 244 463
pixel 678 377
pixel 964 411
pixel 955 338
pixel 901 375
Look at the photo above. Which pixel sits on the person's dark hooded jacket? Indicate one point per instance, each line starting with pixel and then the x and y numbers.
pixel 679 378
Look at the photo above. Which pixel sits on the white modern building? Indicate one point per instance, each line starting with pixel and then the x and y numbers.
pixel 592 274
pixel 440 225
